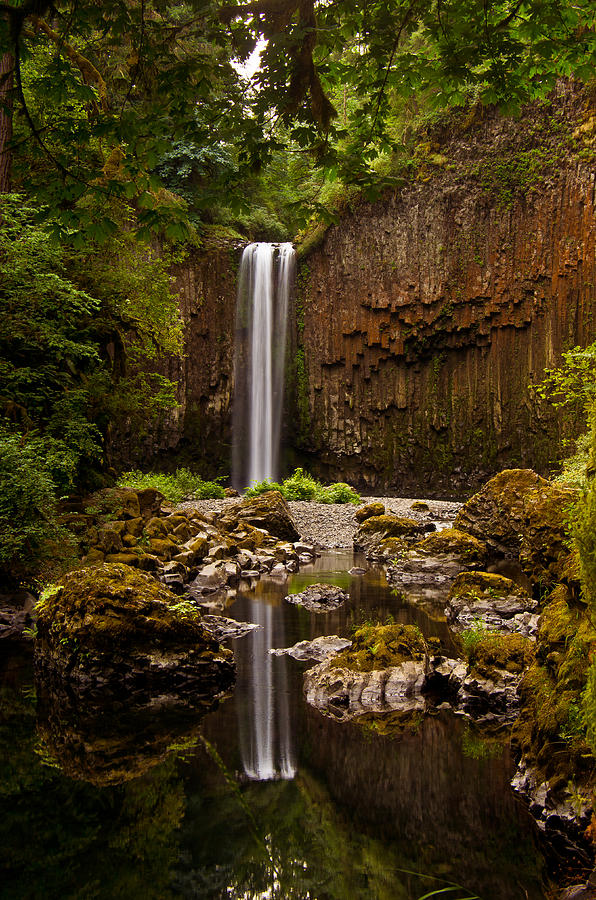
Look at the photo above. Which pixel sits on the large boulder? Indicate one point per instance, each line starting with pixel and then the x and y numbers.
pixel 382 537
pixel 521 515
pixel 113 626
pixel 498 602
pixel 268 511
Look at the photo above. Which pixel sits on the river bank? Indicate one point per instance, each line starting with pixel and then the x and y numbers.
pixel 332 526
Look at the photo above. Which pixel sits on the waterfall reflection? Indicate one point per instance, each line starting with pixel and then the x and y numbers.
pixel 265 731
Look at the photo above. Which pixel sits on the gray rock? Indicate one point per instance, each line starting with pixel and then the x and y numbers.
pixel 223 628
pixel 344 693
pixel 319 649
pixel 319 597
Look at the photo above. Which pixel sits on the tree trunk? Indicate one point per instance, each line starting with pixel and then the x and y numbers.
pixel 6 100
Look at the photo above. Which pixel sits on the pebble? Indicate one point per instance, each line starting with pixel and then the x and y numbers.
pixel 332 526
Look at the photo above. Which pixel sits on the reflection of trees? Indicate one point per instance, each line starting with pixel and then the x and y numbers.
pixel 66 837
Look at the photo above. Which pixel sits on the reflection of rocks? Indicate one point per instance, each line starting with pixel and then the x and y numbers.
pixel 498 602
pixel 345 693
pixel 319 597
pixel 319 649
pixel 113 626
pixel 106 742
pixel 15 615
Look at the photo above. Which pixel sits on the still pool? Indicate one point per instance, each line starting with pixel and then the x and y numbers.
pixel 263 797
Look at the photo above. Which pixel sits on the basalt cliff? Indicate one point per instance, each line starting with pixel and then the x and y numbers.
pixel 422 321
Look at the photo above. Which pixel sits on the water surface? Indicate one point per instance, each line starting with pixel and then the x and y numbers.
pixel 264 797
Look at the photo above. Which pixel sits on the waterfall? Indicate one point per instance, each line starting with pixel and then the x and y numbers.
pixel 264 284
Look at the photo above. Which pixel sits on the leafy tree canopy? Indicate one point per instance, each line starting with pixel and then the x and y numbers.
pixel 115 100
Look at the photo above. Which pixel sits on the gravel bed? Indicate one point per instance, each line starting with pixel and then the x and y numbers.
pixel 332 525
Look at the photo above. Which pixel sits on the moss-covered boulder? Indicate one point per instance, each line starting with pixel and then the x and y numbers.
pixel 371 509
pixel 518 513
pixel 494 653
pixel 498 602
pixel 383 536
pixel 115 626
pixel 384 670
pixel 268 511
pixel 496 513
pixel 453 542
pixel 380 646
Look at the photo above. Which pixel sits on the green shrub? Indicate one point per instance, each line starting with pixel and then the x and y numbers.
pixel 302 486
pixel 28 527
pixel 180 485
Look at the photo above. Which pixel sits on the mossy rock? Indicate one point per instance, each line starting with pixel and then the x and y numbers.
pixel 390 526
pixel 484 585
pixel 544 549
pixel 377 647
pixel 375 533
pixel 268 511
pixel 521 514
pixel 509 652
pixel 496 514
pixel 456 543
pixel 371 509
pixel 114 624
pixel 419 506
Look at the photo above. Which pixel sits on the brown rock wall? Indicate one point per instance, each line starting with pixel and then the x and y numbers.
pixel 428 314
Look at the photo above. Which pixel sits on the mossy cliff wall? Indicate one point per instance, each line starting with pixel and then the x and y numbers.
pixel 423 318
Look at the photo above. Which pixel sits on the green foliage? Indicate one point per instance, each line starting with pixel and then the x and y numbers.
pixel 79 332
pixel 181 485
pixel 28 528
pixel 471 637
pixel 584 536
pixel 302 486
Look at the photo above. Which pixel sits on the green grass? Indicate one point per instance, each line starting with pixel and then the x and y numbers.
pixel 180 485
pixel 302 486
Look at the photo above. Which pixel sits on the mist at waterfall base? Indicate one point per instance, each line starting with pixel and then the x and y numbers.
pixel 265 280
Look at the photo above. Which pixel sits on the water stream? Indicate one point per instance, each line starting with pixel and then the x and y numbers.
pixel 264 284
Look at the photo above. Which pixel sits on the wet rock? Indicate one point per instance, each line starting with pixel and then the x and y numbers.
pixel 278 571
pixel 562 814
pixel 223 629
pixel 114 626
pixel 319 649
pixel 345 693
pixel 371 509
pixel 357 570
pixel 489 699
pixel 268 511
pixel 498 602
pixel 319 597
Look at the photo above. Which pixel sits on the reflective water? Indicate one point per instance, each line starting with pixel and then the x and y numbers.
pixel 265 797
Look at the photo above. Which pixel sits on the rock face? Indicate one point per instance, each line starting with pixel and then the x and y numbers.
pixel 112 626
pixel 429 313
